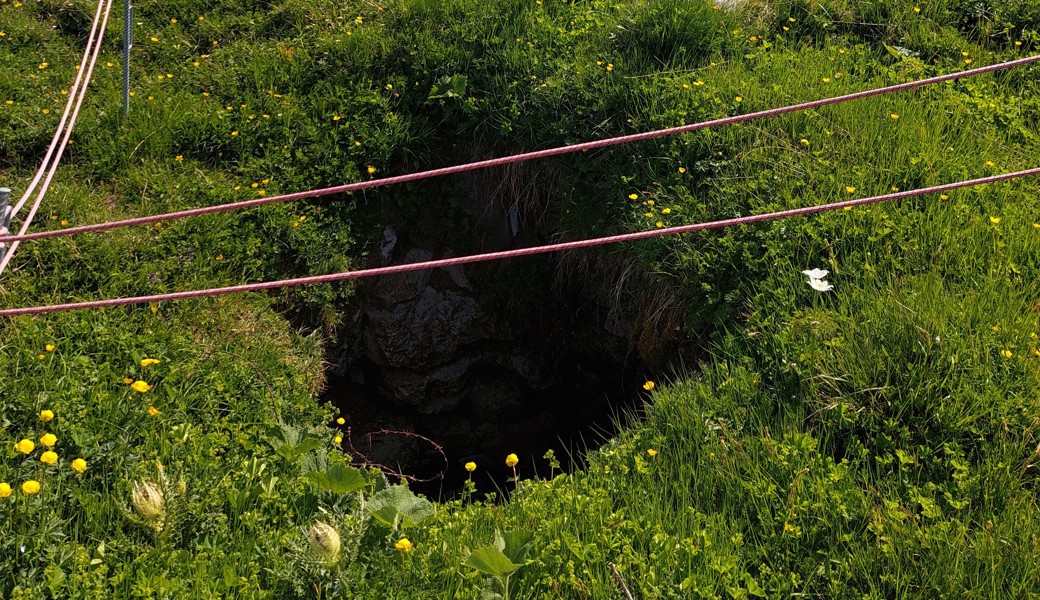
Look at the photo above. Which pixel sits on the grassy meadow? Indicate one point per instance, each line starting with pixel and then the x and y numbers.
pixel 878 440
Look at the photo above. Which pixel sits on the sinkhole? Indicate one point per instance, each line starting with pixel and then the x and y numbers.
pixel 438 368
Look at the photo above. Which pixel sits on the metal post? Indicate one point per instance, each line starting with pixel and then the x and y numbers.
pixel 5 217
pixel 128 42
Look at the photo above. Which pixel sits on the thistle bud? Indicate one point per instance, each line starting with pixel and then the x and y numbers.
pixel 149 502
pixel 324 541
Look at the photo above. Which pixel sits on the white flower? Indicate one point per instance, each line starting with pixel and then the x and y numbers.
pixel 820 285
pixel 815 273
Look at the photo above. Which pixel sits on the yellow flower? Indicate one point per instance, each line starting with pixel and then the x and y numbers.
pixel 234 134
pixel 404 546
pixel 25 446
pixel 49 457
pixel 1006 353
pixel 648 386
pixel 826 79
pixel 803 142
pixel 152 411
pixel 682 169
pixel 41 356
pixel 147 362
pixel 917 9
pixel 127 380
pixel 512 460
pixel 633 196
pixel 140 386
pixel 337 439
pixel 179 158
pixel 610 66
pixel 651 452
pixel 698 83
pixel 341 421
pixel 943 197
pixel 968 61
pixel 659 224
pixel 5 490
pixel 46 415
pixel 990 163
pixel 31 487
pixel 79 465
pixel 894 116
pixel 739 99
pixel 471 466
pixel 994 220
pixel 850 189
pixel 48 439
pixel 155 39
pixel 371 169
pixel 359 20
pixel 666 211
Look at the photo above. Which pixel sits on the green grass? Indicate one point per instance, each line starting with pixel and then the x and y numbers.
pixel 876 441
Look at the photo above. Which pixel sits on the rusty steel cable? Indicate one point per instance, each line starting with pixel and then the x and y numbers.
pixel 461 260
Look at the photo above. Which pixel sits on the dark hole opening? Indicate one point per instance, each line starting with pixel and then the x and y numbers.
pixel 482 361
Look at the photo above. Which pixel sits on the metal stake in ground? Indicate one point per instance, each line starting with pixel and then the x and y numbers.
pixel 128 42
pixel 5 217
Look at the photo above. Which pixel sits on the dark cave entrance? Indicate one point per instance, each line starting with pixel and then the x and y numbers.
pixel 483 360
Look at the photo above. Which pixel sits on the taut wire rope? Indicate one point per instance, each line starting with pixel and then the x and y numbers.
pixel 461 260
pixel 511 159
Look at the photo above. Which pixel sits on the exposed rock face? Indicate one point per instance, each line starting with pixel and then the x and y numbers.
pixel 440 353
pixel 484 359
pixel 427 340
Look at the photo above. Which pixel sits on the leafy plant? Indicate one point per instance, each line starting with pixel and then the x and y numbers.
pixel 506 556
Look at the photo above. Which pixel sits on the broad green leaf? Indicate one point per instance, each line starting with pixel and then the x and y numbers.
pixel 753 588
pixel 516 545
pixel 492 561
pixel 397 506
pixel 343 479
